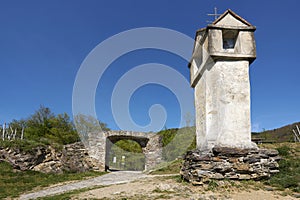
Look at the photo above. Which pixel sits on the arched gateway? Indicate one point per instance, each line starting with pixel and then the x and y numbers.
pixel 99 146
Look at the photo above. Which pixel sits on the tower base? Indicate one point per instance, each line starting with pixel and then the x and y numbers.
pixel 229 163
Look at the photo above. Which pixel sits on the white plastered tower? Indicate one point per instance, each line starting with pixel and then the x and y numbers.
pixel 219 71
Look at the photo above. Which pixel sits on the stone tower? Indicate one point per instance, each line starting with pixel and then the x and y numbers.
pixel 219 70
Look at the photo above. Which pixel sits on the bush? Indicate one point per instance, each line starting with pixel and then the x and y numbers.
pixel 45 126
pixel 284 150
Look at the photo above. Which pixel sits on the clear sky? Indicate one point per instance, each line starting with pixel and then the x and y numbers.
pixel 43 44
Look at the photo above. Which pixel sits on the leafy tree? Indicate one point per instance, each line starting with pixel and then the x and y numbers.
pixel 39 124
pixel 62 130
pixel 44 126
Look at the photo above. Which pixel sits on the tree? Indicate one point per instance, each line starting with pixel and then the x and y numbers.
pixel 38 124
pixel 45 125
pixel 62 130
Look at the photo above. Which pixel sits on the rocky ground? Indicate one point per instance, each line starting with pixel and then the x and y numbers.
pixel 169 188
pixel 136 186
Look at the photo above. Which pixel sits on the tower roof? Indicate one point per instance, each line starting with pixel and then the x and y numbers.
pixel 232 14
pixel 229 20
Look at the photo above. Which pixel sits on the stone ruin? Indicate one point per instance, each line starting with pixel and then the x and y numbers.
pixel 219 71
pixel 79 157
pixel 99 146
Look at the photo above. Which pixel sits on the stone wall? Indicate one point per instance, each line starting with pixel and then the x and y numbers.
pixel 153 152
pixel 72 157
pixel 229 163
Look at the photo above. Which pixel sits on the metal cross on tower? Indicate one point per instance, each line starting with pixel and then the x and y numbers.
pixel 216 15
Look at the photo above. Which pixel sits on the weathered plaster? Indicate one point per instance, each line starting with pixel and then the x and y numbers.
pixel 221 80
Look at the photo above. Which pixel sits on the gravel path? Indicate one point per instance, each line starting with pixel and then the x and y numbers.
pixel 107 179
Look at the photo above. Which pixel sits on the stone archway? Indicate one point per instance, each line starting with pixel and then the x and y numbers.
pixel 136 158
pixel 99 145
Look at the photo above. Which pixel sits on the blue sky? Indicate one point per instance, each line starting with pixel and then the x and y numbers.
pixel 43 43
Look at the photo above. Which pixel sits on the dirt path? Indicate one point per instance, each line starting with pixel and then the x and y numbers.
pixel 153 188
pixel 136 186
pixel 107 179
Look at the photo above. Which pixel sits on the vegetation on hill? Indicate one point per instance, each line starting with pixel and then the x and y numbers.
pixel 44 128
pixel 283 134
pixel 177 141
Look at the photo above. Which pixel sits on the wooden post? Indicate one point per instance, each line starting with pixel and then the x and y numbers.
pixel 298 129
pixel 22 133
pixel 297 135
pixel 3 131
pixel 11 133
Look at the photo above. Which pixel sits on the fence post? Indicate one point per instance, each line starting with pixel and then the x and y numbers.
pixel 22 133
pixel 3 131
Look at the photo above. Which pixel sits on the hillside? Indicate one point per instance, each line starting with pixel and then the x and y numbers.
pixel 283 134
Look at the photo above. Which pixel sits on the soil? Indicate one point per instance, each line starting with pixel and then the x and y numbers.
pixel 171 188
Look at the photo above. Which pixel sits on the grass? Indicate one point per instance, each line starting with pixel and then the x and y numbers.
pixel 13 183
pixel 22 145
pixel 168 168
pixel 29 146
pixel 212 185
pixel 65 196
pixel 289 166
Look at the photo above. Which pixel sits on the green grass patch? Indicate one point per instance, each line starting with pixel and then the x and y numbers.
pixel 284 150
pixel 212 185
pixel 177 141
pixel 13 183
pixel 22 145
pixel 168 168
pixel 289 166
